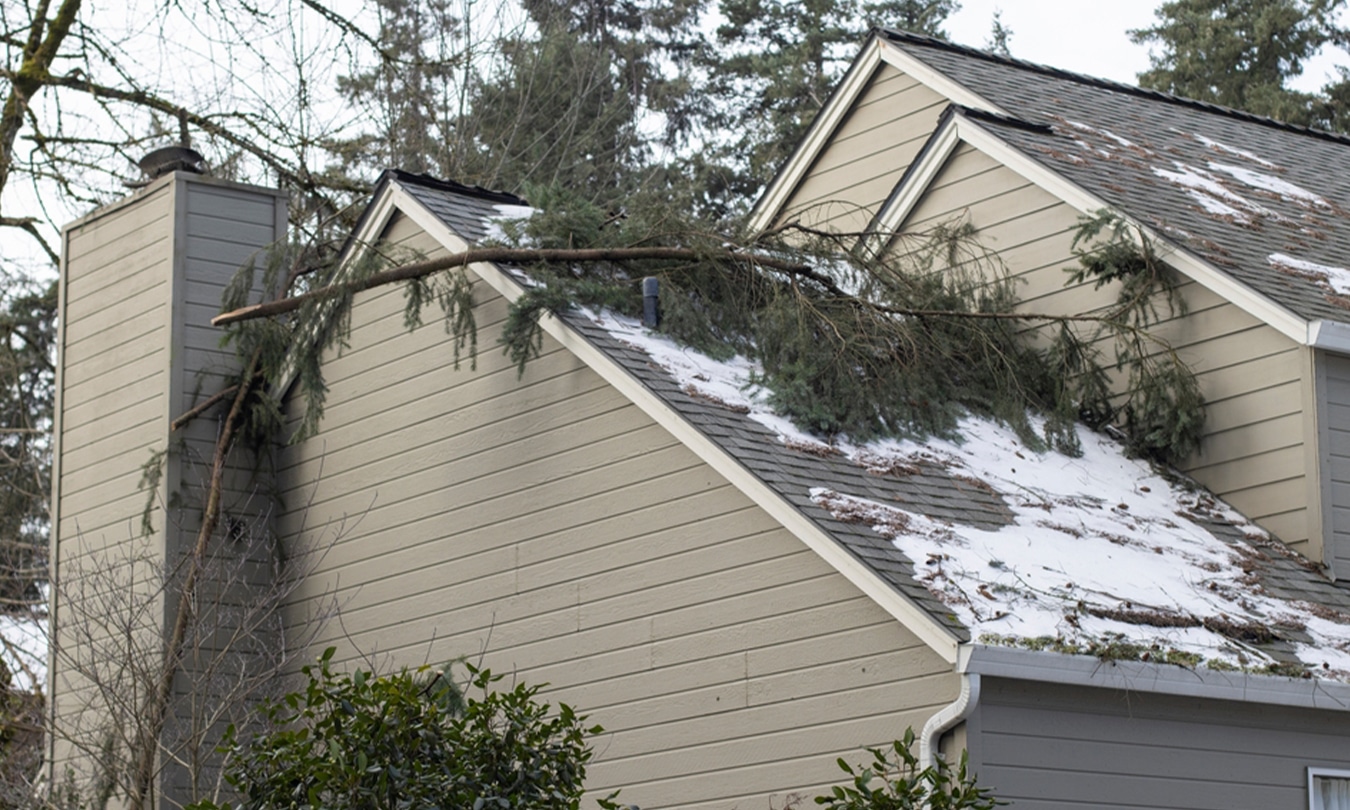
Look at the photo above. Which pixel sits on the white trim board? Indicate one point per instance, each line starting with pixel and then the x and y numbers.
pixel 911 188
pixel 822 129
pixel 876 50
pixel 909 614
pixel 381 210
pixel 1204 273
pixel 935 80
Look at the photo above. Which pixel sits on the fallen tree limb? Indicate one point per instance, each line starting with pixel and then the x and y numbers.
pixel 507 255
pixel 416 270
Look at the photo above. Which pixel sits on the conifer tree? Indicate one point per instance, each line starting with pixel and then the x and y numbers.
pixel 1243 53
pixel 27 336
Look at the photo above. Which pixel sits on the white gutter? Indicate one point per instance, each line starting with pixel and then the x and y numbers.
pixel 1330 335
pixel 948 717
pixel 1141 676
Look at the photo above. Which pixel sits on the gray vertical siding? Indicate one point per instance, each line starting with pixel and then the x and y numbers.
pixel 1047 747
pixel 547 525
pixel 1334 429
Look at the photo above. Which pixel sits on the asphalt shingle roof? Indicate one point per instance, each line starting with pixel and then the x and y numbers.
pixel 1152 156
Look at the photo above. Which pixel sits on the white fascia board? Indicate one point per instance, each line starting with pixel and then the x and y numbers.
pixel 912 188
pixel 381 211
pixel 936 80
pixel 1332 336
pixel 909 614
pixel 1141 676
pixel 822 130
pixel 1204 273
pixel 875 51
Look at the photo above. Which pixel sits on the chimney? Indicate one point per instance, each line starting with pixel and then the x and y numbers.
pixel 140 281
pixel 172 159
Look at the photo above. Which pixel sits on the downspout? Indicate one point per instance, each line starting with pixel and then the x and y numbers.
pixel 947 718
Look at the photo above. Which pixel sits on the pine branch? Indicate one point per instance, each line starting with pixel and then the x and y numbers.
pixel 417 270
pixel 198 410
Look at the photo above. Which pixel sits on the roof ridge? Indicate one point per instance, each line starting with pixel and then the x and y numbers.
pixel 424 179
pixel 895 35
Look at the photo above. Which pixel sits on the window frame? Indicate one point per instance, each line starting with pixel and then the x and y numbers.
pixel 1316 771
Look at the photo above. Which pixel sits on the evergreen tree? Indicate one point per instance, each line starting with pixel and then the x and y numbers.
pixel 567 99
pixel 27 338
pixel 412 95
pixel 1000 36
pixel 1242 54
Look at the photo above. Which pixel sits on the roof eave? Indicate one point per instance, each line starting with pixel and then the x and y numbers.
pixel 1143 676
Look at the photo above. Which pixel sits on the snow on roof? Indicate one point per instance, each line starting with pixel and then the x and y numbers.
pixel 505 214
pixel 1335 279
pixel 1211 194
pixel 1229 150
pixel 1275 185
pixel 1230 193
pixel 1103 553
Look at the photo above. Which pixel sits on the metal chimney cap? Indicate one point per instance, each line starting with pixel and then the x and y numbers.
pixel 172 159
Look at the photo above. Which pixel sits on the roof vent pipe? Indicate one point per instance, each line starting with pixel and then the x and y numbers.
pixel 172 159
pixel 651 301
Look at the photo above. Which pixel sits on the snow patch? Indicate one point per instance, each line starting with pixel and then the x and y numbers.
pixel 1104 133
pixel 1235 152
pixel 1101 547
pixel 1275 185
pixel 505 213
pixel 1337 279
pixel 1211 195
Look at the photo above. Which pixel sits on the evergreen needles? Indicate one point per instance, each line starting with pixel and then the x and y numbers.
pixel 901 344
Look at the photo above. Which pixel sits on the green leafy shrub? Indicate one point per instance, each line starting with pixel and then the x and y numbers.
pixel 894 781
pixel 409 740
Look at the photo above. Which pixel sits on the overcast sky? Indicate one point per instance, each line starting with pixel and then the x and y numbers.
pixel 1086 36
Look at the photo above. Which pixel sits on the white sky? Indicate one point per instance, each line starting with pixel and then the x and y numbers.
pixel 1085 36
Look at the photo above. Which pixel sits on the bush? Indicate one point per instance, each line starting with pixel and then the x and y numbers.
pixel 409 740
pixel 894 781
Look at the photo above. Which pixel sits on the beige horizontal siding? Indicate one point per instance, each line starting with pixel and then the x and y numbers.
pixel 111 405
pixel 129 362
pixel 870 150
pixel 1253 453
pixel 549 526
